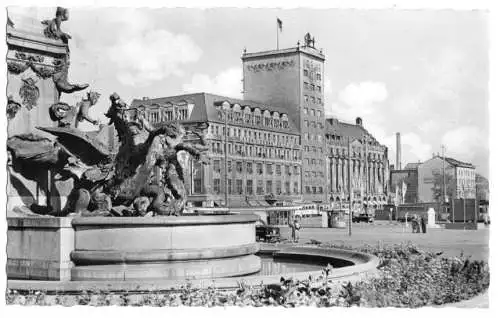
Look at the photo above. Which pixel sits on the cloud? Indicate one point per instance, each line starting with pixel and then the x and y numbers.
pixel 363 94
pixel 414 148
pixel 152 56
pixel 227 83
pixel 465 142
pixel 359 100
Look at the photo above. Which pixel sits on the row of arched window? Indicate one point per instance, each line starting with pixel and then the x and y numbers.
pixel 247 115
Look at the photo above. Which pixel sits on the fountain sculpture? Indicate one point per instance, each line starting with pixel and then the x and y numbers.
pixel 79 210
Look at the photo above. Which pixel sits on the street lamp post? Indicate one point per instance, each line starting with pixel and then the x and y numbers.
pixel 226 132
pixel 463 198
pixel 349 190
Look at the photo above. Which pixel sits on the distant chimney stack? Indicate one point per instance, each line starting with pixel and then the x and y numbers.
pixel 398 151
pixel 359 121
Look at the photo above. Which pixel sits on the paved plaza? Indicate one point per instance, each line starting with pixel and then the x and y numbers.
pixel 450 242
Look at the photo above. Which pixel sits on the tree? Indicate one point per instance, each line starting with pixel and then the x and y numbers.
pixel 482 188
pixel 437 188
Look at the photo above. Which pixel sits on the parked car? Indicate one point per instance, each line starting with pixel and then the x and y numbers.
pixel 267 233
pixel 363 217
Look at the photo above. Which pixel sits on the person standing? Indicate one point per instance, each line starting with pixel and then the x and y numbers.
pixel 423 224
pixel 292 227
pixel 296 226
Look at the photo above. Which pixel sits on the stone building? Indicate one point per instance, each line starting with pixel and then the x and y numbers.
pixel 369 165
pixel 263 149
pixel 460 179
pixel 280 146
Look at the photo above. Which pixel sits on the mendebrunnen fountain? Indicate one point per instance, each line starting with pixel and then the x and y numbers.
pixel 83 216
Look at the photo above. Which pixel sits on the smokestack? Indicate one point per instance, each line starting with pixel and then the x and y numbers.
pixel 398 151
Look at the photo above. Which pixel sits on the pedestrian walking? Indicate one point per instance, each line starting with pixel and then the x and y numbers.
pixel 423 224
pixel 292 227
pixel 413 225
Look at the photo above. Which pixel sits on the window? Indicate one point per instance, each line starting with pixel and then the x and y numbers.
pixel 278 170
pixel 308 190
pixel 313 100
pixel 250 187
pixel 306 110
pixel 229 166
pixel 197 177
pixel 278 187
pixel 259 168
pixel 306 73
pixel 306 123
pixel 249 167
pixel 314 190
pixel 306 98
pixel 257 120
pixel 239 167
pixel 269 169
pixel 319 88
pixel 318 76
pixel 296 187
pixel 287 187
pixel 260 187
pixel 306 85
pixel 296 170
pixel 217 165
pixel 239 186
pixel 287 170
pixel 269 187
pixel 229 186
pixel 319 101
pixel 217 186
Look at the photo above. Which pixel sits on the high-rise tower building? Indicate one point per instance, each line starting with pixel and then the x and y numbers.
pixel 293 79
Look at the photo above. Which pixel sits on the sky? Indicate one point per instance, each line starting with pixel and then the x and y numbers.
pixel 423 73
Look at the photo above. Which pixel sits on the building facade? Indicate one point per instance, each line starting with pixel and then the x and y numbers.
pixel 254 149
pixel 279 145
pixel 459 180
pixel 368 163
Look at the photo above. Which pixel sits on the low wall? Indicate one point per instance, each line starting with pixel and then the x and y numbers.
pixel 461 226
pixel 360 266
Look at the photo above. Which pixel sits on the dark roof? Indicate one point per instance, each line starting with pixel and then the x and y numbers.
pixel 205 109
pixel 334 126
pixel 455 162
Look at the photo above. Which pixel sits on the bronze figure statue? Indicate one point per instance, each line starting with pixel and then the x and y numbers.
pixel 53 29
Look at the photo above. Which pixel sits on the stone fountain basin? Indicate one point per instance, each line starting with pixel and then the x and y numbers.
pixel 361 266
pixel 144 254
pixel 123 249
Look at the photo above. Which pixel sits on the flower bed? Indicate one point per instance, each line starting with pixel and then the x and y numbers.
pixel 408 277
